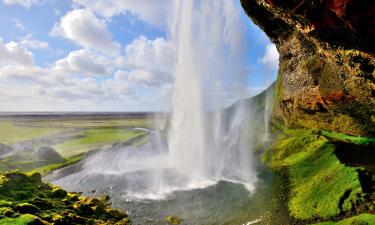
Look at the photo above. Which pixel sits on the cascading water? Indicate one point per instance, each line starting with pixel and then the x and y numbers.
pixel 205 143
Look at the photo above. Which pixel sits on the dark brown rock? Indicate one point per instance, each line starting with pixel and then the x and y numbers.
pixel 326 76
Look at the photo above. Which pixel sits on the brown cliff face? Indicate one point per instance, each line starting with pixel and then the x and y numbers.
pixel 326 76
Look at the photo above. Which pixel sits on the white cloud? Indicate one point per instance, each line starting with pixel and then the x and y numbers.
pixel 271 57
pixel 85 62
pixel 118 85
pixel 150 62
pixel 13 52
pixel 28 42
pixel 85 29
pixel 151 11
pixel 24 3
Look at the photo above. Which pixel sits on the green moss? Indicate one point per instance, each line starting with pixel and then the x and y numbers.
pixel 320 186
pixel 44 170
pixel 173 220
pixel 363 219
pixel 21 220
pixel 348 138
pixel 29 195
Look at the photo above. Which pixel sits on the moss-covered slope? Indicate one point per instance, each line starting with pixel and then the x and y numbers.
pixel 321 187
pixel 27 200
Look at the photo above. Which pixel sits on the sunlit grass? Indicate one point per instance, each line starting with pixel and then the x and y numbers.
pixel 11 133
pixel 44 170
pixel 360 219
pixel 96 138
pixel 317 179
pixel 348 138
pixel 93 123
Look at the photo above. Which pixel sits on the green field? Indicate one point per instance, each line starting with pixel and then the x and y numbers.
pixel 96 138
pixel 11 133
pixel 145 122
pixel 70 138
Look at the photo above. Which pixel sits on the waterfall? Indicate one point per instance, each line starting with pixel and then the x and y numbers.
pixel 267 112
pixel 204 142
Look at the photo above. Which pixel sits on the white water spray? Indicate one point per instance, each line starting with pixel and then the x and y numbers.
pixel 206 144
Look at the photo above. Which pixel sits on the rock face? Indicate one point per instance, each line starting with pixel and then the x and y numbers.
pixel 326 77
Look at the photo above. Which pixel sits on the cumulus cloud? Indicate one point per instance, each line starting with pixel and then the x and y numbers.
pixel 84 62
pixel 151 11
pixel 271 57
pixel 118 85
pixel 13 52
pixel 150 62
pixel 84 28
pixel 24 3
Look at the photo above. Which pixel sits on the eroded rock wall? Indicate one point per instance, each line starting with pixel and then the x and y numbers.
pixel 326 77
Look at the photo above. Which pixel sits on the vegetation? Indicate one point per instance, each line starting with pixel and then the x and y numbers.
pixel 96 138
pixel 92 123
pixel 363 219
pixel 30 159
pixel 347 138
pixel 11 133
pixel 25 199
pixel 44 170
pixel 320 185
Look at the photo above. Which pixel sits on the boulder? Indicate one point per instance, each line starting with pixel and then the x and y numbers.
pixel 48 154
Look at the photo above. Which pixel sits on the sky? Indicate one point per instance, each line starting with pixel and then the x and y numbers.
pixel 102 55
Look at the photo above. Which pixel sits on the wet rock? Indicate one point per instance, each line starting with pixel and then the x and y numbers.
pixel 116 214
pixel 58 193
pixel 173 220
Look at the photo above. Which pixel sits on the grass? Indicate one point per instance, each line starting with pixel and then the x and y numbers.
pixel 44 170
pixel 10 133
pixel 348 138
pixel 96 138
pixel 145 122
pixel 363 219
pixel 320 185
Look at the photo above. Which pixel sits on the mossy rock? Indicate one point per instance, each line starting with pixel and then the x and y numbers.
pixel 26 208
pixel 7 211
pixel 58 193
pixel 48 154
pixel 173 220
pixel 50 204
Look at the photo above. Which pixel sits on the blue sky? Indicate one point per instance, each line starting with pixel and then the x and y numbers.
pixel 103 55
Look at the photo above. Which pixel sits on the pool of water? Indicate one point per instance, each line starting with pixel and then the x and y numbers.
pixel 216 203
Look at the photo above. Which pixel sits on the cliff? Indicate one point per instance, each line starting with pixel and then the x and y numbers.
pixel 326 77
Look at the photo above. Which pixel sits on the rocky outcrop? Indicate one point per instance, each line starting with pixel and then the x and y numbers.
pixel 26 199
pixel 326 77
